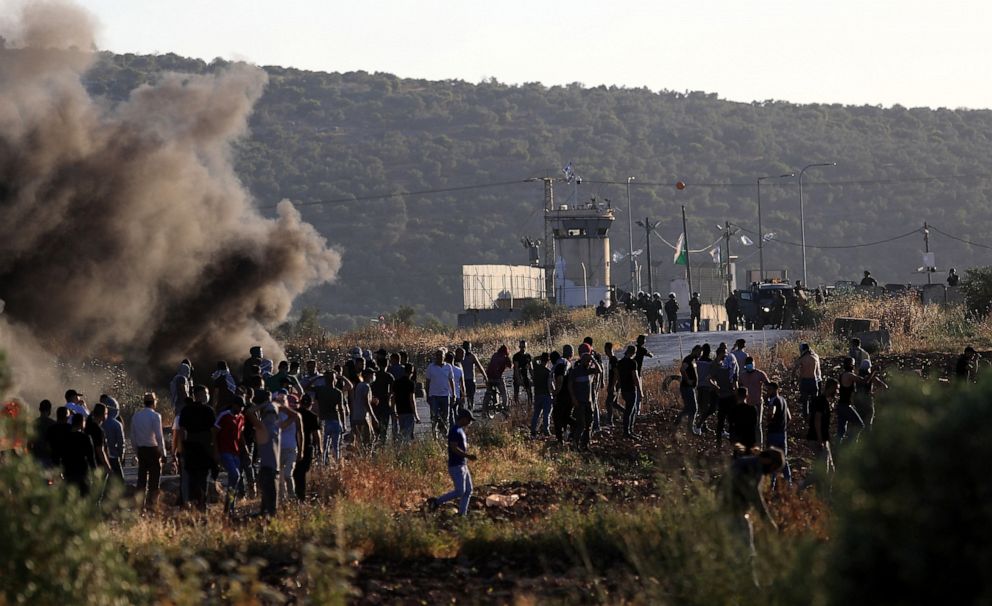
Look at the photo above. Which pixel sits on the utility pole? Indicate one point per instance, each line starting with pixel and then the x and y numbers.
pixel 549 240
pixel 630 236
pixel 685 241
pixel 730 277
pixel 648 228
pixel 926 248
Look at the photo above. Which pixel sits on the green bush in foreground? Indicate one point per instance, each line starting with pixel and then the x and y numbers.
pixel 914 511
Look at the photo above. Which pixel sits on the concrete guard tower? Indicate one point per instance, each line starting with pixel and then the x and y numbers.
pixel 582 243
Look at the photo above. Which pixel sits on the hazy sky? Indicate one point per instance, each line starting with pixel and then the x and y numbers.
pixel 912 52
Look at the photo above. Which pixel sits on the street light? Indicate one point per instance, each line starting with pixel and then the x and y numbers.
pixel 761 234
pixel 630 236
pixel 802 213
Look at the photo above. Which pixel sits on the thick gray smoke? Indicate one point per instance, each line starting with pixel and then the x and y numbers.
pixel 123 229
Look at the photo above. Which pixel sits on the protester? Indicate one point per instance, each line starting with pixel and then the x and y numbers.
pixel 267 437
pixel 290 442
pixel 113 432
pixel 966 367
pixel 57 434
pixel 706 400
pixel 543 388
pixel 846 413
pixel 521 364
pixel 77 455
pixel 458 457
pixel 807 366
pixel 149 442
pixel 739 353
pixel 406 401
pixel 385 410
pixel 181 387
pixel 472 368
pixel 94 429
pixel 858 353
pixel 311 446
pixel 363 417
pixel 743 490
pixel 819 426
pixel 864 397
pixel 754 381
pixel 583 378
pixel 642 352
pixel 776 435
pixel 498 364
pixel 332 410
pixel 76 403
pixel 613 409
pixel 41 448
pixel 228 441
pixel 440 387
pixel 724 375
pixel 688 381
pixel 743 420
pixel 561 409
pixel 196 423
pixel 631 389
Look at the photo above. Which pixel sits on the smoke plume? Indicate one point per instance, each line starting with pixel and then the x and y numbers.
pixel 123 228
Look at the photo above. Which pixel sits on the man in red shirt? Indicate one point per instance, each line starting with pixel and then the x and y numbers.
pixel 229 441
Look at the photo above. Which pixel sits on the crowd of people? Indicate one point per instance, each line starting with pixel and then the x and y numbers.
pixel 267 429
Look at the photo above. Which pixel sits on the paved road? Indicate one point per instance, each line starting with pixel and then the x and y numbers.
pixel 673 347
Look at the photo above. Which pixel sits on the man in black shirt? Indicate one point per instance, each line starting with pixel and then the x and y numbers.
pixel 77 456
pixel 628 382
pixel 94 430
pixel 311 446
pixel 405 393
pixel 776 431
pixel 688 382
pixel 196 422
pixel 57 434
pixel 40 446
pixel 382 391
pixel 868 280
pixel 695 312
pixel 743 421
pixel 521 373
pixel 671 312
pixel 612 407
pixel 641 353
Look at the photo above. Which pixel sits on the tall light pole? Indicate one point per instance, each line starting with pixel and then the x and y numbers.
pixel 761 234
pixel 802 213
pixel 630 236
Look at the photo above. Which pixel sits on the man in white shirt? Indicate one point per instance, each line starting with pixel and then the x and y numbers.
pixel 149 442
pixel 440 384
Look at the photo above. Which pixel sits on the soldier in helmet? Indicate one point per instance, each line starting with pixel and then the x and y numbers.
pixel 671 311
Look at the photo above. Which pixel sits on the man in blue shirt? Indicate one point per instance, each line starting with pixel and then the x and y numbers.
pixel 458 457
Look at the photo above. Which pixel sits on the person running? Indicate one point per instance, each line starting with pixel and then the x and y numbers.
pixel 695 312
pixel 776 432
pixel 458 458
pixel 807 367
pixel 196 423
pixel 440 386
pixel 149 442
pixel 742 491
pixel 332 410
pixel 628 383
pixel 846 413
pixel 310 425
pixel 864 397
pixel 867 280
pixel 583 377
pixel 642 352
pixel 406 402
pixel 542 396
pixel 113 432
pixel 688 381
pixel 743 420
pixel 78 458
pixel 472 368
pixel 819 426
pixel 228 433
pixel 671 312
pixel 522 361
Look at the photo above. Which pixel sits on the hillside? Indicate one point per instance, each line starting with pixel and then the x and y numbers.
pixel 319 137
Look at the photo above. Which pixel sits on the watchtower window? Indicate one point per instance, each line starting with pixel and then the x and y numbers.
pixel 576 232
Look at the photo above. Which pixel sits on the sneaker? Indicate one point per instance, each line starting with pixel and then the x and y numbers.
pixel 697 431
pixel 431 505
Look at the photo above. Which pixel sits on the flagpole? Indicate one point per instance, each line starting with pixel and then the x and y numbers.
pixel 685 242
